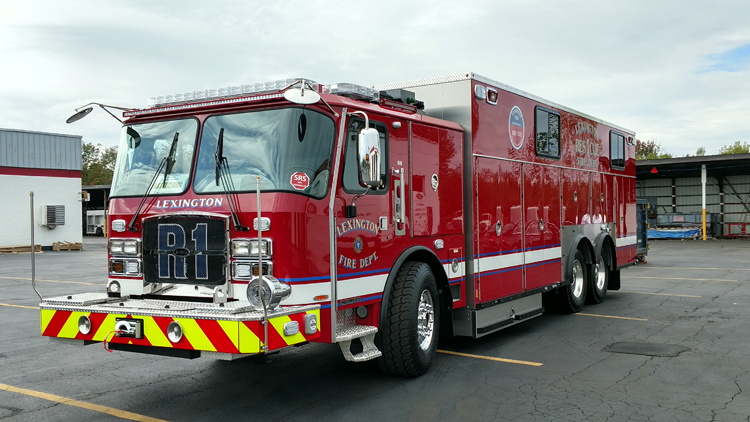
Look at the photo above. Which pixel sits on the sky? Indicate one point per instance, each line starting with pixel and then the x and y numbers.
pixel 676 72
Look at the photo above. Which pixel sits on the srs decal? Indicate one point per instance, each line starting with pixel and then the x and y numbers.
pixel 516 127
pixel 358 244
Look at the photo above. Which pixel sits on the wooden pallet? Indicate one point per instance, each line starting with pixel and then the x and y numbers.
pixel 19 249
pixel 67 246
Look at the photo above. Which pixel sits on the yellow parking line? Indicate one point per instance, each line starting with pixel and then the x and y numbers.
pixel 610 316
pixel 704 268
pixel 691 279
pixel 519 362
pixel 53 281
pixel 19 306
pixel 659 294
pixel 95 407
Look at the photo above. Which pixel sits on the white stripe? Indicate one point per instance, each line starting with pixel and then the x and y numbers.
pixel 492 263
pixel 498 262
pixel 303 294
pixel 541 255
pixel 625 241
pixel 361 286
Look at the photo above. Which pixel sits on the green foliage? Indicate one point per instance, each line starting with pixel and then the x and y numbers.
pixel 737 148
pixel 98 164
pixel 649 150
pixel 700 152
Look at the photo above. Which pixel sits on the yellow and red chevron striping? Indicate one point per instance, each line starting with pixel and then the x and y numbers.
pixel 225 336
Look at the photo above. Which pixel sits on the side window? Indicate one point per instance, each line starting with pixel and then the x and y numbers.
pixel 350 176
pixel 547 133
pixel 616 150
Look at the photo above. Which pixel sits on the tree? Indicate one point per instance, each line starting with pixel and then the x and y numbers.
pixel 649 150
pixel 737 148
pixel 98 164
pixel 700 152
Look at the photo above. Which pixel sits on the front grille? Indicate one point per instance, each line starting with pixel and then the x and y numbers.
pixel 185 250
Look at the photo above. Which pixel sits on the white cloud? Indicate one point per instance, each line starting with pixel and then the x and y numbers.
pixel 649 66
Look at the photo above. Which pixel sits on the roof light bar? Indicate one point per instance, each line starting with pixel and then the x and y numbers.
pixel 204 103
pixel 357 92
pixel 227 92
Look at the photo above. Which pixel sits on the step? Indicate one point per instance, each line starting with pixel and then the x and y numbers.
pixel 366 334
pixel 350 332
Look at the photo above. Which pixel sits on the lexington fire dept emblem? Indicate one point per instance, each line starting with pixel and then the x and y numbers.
pixel 515 127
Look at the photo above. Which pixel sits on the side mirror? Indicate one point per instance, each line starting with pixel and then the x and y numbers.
pixel 134 138
pixel 368 158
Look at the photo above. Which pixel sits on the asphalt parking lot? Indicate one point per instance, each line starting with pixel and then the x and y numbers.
pixel 672 345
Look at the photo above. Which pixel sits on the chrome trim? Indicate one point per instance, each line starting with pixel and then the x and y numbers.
pixel 138 247
pixel 252 264
pixel 332 222
pixel 592 171
pixel 125 261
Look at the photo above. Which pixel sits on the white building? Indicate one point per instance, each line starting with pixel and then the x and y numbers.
pixel 50 166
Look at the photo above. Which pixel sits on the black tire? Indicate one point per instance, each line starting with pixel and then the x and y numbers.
pixel 598 280
pixel 406 351
pixel 99 232
pixel 574 294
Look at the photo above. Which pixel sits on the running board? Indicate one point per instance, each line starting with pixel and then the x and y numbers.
pixel 365 334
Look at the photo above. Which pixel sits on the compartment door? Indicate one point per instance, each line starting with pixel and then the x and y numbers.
pixel 498 225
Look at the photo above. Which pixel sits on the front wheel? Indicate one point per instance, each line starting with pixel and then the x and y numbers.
pixel 409 337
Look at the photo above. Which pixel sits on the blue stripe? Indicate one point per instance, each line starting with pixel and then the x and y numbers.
pixel 458 280
pixel 352 275
pixel 544 263
pixel 504 270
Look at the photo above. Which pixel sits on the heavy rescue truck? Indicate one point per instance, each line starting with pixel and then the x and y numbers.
pixel 247 219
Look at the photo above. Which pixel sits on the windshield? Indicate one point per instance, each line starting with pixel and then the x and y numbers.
pixel 143 147
pixel 289 149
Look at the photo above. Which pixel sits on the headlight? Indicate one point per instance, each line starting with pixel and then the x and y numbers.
pixel 131 247
pixel 250 248
pixel 124 246
pixel 115 247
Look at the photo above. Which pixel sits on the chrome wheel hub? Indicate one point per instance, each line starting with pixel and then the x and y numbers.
pixel 601 275
pixel 425 320
pixel 577 279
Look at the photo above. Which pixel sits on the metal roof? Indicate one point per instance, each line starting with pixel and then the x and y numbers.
pixel 716 165
pixel 496 84
pixel 28 149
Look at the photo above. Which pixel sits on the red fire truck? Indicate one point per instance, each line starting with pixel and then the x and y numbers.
pixel 246 219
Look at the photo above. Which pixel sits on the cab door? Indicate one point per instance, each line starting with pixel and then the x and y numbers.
pixel 364 241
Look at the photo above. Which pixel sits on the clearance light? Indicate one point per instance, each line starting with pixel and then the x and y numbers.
pixel 357 92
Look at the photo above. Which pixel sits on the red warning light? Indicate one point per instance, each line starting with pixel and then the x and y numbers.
pixel 654 170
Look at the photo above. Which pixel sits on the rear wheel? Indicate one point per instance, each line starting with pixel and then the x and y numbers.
pixel 598 280
pixel 575 293
pixel 409 336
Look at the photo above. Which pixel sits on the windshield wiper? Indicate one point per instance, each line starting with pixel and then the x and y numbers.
pixel 170 159
pixel 167 162
pixel 227 184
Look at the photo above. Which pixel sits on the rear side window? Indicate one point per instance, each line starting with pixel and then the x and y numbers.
pixel 547 133
pixel 616 150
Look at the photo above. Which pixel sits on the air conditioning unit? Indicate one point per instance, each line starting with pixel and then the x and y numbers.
pixel 53 216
